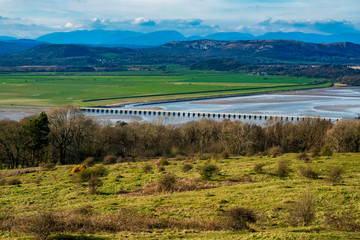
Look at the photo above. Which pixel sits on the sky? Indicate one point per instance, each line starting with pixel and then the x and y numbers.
pixel 33 18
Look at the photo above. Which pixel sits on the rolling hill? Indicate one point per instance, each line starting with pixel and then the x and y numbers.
pixel 190 52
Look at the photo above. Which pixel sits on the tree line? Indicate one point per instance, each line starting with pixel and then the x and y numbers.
pixel 66 136
pixel 339 73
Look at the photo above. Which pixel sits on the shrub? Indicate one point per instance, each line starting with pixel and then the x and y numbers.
pixel 302 212
pixel 3 182
pixel 283 168
pixel 89 161
pixel 93 183
pixel 308 172
pixel 225 154
pixel 120 160
pixel 326 151
pixel 342 222
pixel 208 171
pixel 201 156
pixel 96 171
pixel 109 159
pixel 47 166
pixel 78 168
pixel 239 218
pixel 258 167
pixel 275 151
pixel 42 224
pixel 13 181
pixel 164 162
pixel 241 178
pixel 334 175
pixel 180 157
pixel 303 156
pixel 167 183
pixel 187 167
pixel 147 168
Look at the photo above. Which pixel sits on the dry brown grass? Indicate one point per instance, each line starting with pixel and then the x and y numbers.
pixel 178 185
pixel 46 222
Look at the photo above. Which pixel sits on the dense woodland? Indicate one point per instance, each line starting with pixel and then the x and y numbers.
pixel 66 136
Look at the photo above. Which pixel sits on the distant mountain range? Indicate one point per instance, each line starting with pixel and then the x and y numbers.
pixel 102 37
pixel 130 39
pixel 12 45
pixel 187 52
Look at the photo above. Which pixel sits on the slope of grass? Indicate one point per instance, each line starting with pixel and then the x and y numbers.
pixel 237 185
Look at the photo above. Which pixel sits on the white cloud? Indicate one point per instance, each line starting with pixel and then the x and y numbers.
pixel 144 22
pixel 69 25
pixel 38 16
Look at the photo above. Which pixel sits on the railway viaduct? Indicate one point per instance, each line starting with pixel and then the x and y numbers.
pixel 244 116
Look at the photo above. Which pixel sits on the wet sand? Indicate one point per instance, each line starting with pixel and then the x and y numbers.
pixel 151 108
pixel 19 112
pixel 336 108
pixel 114 117
pixel 261 100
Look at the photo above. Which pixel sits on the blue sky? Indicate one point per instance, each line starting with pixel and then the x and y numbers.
pixel 32 18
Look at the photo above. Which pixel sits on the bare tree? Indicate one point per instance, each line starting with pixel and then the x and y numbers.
pixel 68 128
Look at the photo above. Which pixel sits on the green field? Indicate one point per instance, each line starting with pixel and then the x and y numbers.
pixel 237 185
pixel 54 89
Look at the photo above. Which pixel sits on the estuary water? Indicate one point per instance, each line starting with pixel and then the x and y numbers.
pixel 326 102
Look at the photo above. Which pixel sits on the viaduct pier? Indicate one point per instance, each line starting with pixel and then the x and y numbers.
pixel 190 114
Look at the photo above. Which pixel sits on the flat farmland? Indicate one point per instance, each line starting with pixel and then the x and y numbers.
pixel 94 89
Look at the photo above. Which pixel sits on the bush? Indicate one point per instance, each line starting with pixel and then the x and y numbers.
pixel 187 167
pixel 326 151
pixel 342 222
pixel 42 224
pixel 93 183
pixel 241 178
pixel 167 183
pixel 239 218
pixel 258 167
pixel 208 171
pixel 283 168
pixel 147 168
pixel 308 172
pixel 47 166
pixel 201 156
pixel 164 162
pixel 225 154
pixel 78 168
pixel 89 161
pixel 3 182
pixel 109 159
pixel 302 212
pixel 13 181
pixel 303 156
pixel 275 151
pixel 96 171
pixel 334 175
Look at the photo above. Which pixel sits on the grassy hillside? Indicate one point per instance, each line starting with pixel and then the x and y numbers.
pixel 54 89
pixel 132 202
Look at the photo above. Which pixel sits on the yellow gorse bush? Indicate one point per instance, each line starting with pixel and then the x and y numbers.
pixel 78 168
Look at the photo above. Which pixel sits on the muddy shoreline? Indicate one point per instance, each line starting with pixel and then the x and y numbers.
pixel 15 112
